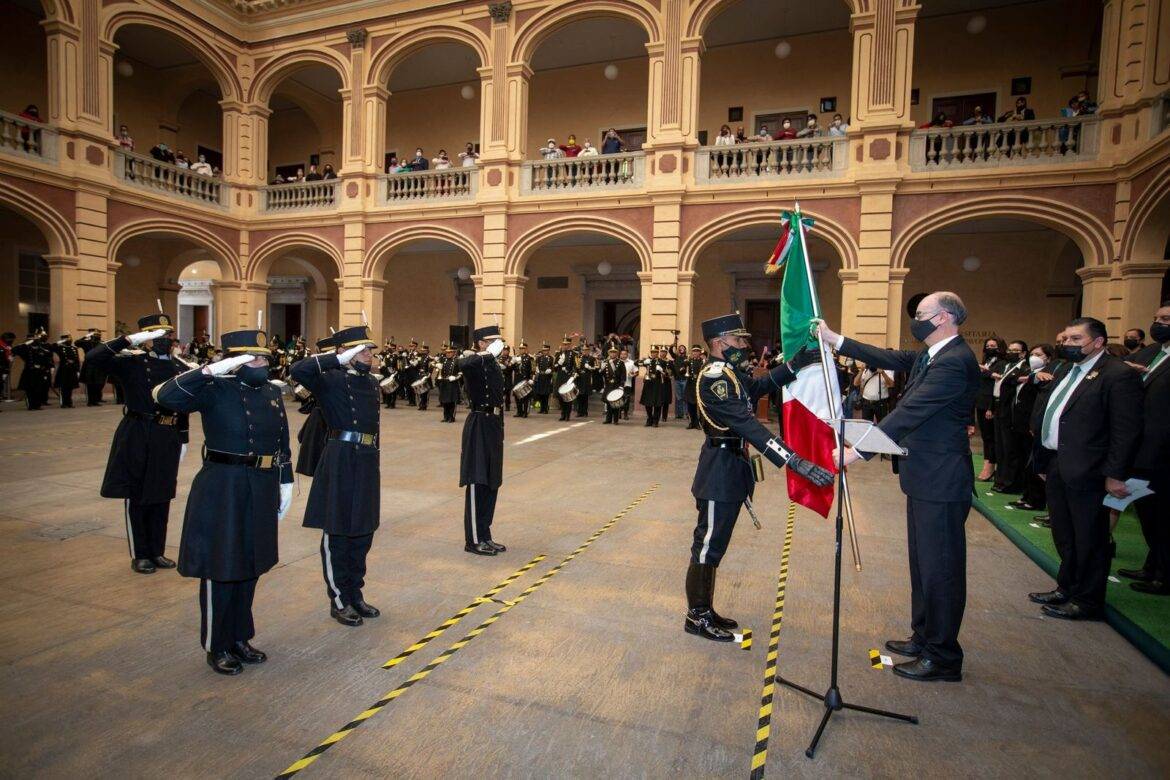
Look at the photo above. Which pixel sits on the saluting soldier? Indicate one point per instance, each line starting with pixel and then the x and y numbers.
pixel 727 395
pixel 525 369
pixel 691 371
pixel 542 383
pixel 150 441
pixel 68 374
pixel 93 380
pixel 508 372
pixel 449 387
pixel 313 433
pixel 243 489
pixel 481 461
pixel 345 497
pixel 37 376
pixel 613 374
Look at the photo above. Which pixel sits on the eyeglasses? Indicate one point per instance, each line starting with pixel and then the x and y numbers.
pixel 921 315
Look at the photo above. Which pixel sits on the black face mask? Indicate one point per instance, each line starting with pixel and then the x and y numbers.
pixel 1132 343
pixel 161 346
pixel 921 329
pixel 1160 332
pixel 253 376
pixel 1015 356
pixel 1071 353
pixel 361 368
pixel 990 354
pixel 735 356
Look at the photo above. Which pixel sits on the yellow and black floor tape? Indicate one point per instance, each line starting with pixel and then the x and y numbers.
pixel 744 639
pixel 764 723
pixel 879 661
pixel 309 758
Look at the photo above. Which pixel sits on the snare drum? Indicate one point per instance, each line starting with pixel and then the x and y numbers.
pixel 422 386
pixel 522 390
pixel 568 391
pixel 390 384
pixel 616 398
pixel 302 392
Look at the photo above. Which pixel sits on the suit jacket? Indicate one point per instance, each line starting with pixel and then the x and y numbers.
pixel 931 417
pixel 1009 387
pixel 1100 425
pixel 1154 455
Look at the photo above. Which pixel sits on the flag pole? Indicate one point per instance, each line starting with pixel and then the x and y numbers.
pixel 834 401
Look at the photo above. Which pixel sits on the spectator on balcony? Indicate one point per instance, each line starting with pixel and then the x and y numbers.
pixel 838 127
pixel 785 133
pixel 551 151
pixel 31 115
pixel 978 117
pixel 313 174
pixel 934 147
pixel 1021 112
pixel 124 139
pixel 1068 136
pixel 419 163
pixel 392 164
pixel 811 129
pixel 469 157
pixel 612 143
pixel 215 171
pixel 740 135
pixel 442 162
pixel 571 149
pixel 161 153
pixel 201 166
pixel 328 172
pixel 181 160
pixel 278 179
pixel 1088 106
pixel 1074 108
pixel 940 120
pixel 299 178
pixel 725 138
pixel 588 150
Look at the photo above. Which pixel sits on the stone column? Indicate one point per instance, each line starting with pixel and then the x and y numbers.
pixel 374 101
pixel 516 135
pixel 870 307
pixel 895 311
pixel 93 290
pixel 848 277
pixel 353 116
pixel 232 305
pixel 685 310
pixel 63 305
pixel 503 93
pixel 1132 72
pixel 883 64
pixel 513 328
pixel 63 42
pixel 1141 294
pixel 351 285
pixel 245 142
pixel 372 297
pixel 107 326
pixel 1095 291
pixel 492 295
pixel 645 339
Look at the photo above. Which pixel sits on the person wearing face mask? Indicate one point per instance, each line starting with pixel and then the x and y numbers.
pixel 37 375
pixel 930 421
pixel 1009 475
pixel 344 501
pixel 314 432
pixel 1089 425
pixel 571 149
pixel 724 481
pixel 1029 384
pixel 811 129
pixel 150 440
pixel 1134 340
pixel 993 364
pixel 242 491
pixel 1153 459
pixel 66 376
pixel 481 458
pixel 838 128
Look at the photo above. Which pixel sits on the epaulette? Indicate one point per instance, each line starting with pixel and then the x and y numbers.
pixel 714 369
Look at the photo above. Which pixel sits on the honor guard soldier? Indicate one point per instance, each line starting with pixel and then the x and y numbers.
pixel 724 480
pixel 508 372
pixel 652 387
pixel 542 383
pixel 68 375
pixel 344 499
pixel 691 371
pixel 410 371
pixel 150 440
pixel 587 372
pixel 524 370
pixel 243 489
pixel 389 356
pixel 423 366
pixel 449 388
pixel 613 374
pixel 313 433
pixel 565 368
pixel 90 377
pixel 481 461
pixel 666 389
pixel 37 376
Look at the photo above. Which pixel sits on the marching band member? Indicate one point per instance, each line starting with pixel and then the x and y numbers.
pixel 566 368
pixel 694 366
pixel 587 368
pixel 613 373
pixel 652 381
pixel 449 387
pixel 524 370
pixel 508 371
pixel 543 382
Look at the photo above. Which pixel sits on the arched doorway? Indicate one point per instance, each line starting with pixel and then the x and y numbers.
pixel 197 305
pixel 25 299
pixel 429 292
pixel 304 129
pixel 302 294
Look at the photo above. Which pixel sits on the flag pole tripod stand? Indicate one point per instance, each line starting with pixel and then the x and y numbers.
pixel 832 697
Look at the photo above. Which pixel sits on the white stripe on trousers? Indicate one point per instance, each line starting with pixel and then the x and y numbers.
pixel 210 614
pixel 129 531
pixel 710 530
pixel 329 571
pixel 474 535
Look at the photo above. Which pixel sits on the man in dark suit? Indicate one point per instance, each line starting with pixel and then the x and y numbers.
pixel 1088 426
pixel 1153 459
pixel 937 477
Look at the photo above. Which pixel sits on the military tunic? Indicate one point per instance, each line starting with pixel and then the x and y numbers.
pixel 481 461
pixel 37 374
pixel 68 371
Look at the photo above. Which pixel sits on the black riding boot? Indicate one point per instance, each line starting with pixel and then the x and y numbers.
pixel 701 618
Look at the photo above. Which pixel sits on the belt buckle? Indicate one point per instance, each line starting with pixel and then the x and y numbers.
pixel 165 419
pixel 367 439
pixel 264 461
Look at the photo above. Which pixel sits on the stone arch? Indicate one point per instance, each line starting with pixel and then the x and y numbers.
pixel 57 10
pixel 536 30
pixel 374 266
pixel 706 10
pixel 392 54
pixel 271 73
pixel 1089 234
pixel 264 255
pixel 220 250
pixel 57 230
pixel 528 243
pixel 828 230
pixel 222 68
pixel 1147 232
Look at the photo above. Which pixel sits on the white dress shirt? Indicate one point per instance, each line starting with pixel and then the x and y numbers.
pixel 1052 440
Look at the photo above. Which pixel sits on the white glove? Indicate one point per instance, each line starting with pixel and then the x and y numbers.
pixel 495 347
pixel 344 357
pixel 146 335
pixel 182 452
pixel 227 364
pixel 286 494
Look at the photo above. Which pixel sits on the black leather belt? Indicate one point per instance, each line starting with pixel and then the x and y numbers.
pixel 264 462
pixel 161 419
pixel 488 409
pixel 355 437
pixel 725 443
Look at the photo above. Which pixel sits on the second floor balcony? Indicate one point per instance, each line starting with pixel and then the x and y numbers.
pixel 626 170
pixel 1002 144
pixel 138 170
pixel 802 158
pixel 299 196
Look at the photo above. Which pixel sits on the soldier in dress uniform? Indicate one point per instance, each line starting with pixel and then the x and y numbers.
pixel 449 387
pixel 201 349
pixel 587 371
pixel 542 383
pixel 508 372
pixel 525 369
pixel 150 440
pixel 37 376
pixel 481 461
pixel 312 435
pixel 564 367
pixel 651 396
pixel 691 371
pixel 345 497
pixel 410 372
pixel 613 374
pixel 389 356
pixel 68 374
pixel 93 380
pixel 243 489
pixel 727 395
pixel 422 367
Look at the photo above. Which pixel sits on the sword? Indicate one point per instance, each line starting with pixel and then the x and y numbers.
pixel 747 502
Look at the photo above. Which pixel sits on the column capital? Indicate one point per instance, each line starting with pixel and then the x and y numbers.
pixel 515 280
pixel 520 69
pixel 693 45
pixel 687 277
pixel 500 12
pixel 1132 268
pixel 1090 272
pixel 898 274
pixel 645 277
pixel 375 90
pixel 374 284
pixel 848 275
pixel 60 261
pixel 61 27
pixel 486 73
pixel 240 107
pixel 232 284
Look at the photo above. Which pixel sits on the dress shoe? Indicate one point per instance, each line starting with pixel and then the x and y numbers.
pixel 246 653
pixel 908 648
pixel 497 547
pixel 606 422
pixel 927 670
pixel 365 610
pixel 723 622
pixel 224 662
pixel 1043 520
pixel 1022 505
pixel 699 622
pixel 163 562
pixel 1070 611
pixel 1141 575
pixel 143 566
pixel 479 549
pixel 346 617
pixel 1048 597
pixel 1152 588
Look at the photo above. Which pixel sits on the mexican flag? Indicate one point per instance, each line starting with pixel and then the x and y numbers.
pixel 807 401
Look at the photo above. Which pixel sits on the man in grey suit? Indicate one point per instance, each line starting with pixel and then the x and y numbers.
pixel 937 477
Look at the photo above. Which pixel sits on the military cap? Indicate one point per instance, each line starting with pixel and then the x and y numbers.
pixel 727 325
pixel 352 337
pixel 246 342
pixel 325 343
pixel 155 322
pixel 486 333
pixel 696 348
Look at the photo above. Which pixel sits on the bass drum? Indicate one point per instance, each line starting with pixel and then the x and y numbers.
pixel 568 391
pixel 522 390
pixel 616 398
pixel 390 384
pixel 422 386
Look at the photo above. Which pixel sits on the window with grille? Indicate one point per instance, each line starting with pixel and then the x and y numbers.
pixel 33 279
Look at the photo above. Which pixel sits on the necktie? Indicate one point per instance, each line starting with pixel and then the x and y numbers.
pixel 1158 358
pixel 1056 401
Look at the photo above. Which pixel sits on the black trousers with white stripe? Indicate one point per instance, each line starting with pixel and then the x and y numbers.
pixel 146 527
pixel 479 507
pixel 343 562
pixel 226 610
pixel 713 531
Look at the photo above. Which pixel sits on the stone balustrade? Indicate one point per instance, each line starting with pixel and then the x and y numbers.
pixel 148 173
pixel 1041 141
pixel 800 158
pixel 300 196
pixel 448 184
pixel 27 137
pixel 571 174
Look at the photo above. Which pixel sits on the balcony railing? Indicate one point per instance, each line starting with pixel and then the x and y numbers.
pixel 1037 142
pixel 801 158
pixel 300 196
pixel 151 174
pixel 572 174
pixel 448 184
pixel 26 137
